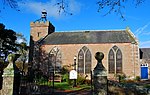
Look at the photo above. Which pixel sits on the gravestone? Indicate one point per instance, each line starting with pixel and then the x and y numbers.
pixel 8 77
pixel 100 76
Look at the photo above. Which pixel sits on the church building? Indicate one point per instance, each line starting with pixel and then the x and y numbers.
pixel 52 50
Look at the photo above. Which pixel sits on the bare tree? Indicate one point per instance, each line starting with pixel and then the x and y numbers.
pixel 111 6
pixel 115 6
pixel 62 7
pixel 10 3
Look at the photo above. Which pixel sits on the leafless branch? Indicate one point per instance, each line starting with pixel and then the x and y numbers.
pixel 115 6
pixel 138 2
pixel 62 7
pixel 11 3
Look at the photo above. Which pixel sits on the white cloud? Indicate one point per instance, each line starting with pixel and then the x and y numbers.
pixel 36 7
pixel 145 44
pixel 74 6
pixel 146 33
pixel 141 31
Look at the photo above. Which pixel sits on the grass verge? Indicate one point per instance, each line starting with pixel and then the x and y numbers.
pixel 66 86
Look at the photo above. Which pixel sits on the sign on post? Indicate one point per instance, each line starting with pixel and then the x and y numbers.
pixel 73 74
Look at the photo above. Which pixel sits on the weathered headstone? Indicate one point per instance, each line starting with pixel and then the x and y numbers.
pixel 100 76
pixel 8 77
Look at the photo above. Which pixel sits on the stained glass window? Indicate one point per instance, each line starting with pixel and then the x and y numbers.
pixel 84 60
pixel 111 63
pixel 81 61
pixel 115 60
pixel 88 62
pixel 55 60
pixel 118 61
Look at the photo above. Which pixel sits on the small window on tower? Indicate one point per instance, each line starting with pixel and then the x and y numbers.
pixel 38 34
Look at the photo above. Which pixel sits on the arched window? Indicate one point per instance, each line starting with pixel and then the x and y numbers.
pixel 84 60
pixel 81 61
pixel 118 61
pixel 88 61
pixel 115 60
pixel 55 60
pixel 111 62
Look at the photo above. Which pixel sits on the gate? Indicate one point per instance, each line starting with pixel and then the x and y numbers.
pixel 144 71
pixel 36 83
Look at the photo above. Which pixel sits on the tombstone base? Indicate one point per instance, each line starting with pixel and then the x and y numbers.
pixel 7 88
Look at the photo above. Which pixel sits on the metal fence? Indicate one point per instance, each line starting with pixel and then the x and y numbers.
pixel 36 83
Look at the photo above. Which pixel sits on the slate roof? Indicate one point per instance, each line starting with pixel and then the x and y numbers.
pixel 88 37
pixel 144 53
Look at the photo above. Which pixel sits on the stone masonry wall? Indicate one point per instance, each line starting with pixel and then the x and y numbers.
pixel 39 27
pixel 129 55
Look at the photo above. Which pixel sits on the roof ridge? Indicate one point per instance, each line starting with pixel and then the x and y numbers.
pixel 145 48
pixel 89 30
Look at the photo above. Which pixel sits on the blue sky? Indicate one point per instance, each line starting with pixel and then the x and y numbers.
pixel 85 17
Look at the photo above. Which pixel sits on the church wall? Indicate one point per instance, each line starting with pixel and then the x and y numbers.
pixel 68 52
pixel 38 30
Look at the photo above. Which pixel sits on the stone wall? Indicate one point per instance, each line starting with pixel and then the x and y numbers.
pixel 40 29
pixel 130 60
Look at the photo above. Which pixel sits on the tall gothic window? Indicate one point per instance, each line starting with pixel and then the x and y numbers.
pixel 55 60
pixel 115 60
pixel 118 61
pixel 84 61
pixel 111 61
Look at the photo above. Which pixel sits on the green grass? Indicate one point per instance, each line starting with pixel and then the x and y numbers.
pixel 65 86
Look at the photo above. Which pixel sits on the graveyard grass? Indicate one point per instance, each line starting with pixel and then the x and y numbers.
pixel 67 87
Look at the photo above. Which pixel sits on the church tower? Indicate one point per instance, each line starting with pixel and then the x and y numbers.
pixel 39 30
pixel 41 27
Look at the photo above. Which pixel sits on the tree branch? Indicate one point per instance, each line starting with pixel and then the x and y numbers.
pixel 115 6
pixel 62 7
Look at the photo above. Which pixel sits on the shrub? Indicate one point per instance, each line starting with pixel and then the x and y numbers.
pixel 129 81
pixel 80 80
pixel 137 78
pixel 121 77
pixel 64 70
pixel 88 82
pixel 65 78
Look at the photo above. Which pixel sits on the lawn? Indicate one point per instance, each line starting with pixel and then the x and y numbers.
pixel 66 86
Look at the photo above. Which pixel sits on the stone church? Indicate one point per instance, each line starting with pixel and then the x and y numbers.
pixel 51 50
